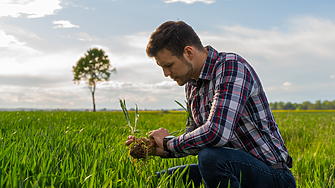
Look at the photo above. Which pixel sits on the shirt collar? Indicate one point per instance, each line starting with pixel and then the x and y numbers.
pixel 207 68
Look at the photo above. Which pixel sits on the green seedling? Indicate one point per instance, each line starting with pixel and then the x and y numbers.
pixel 139 148
pixel 188 111
pixel 126 116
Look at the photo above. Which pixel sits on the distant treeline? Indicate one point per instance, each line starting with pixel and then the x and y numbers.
pixel 318 105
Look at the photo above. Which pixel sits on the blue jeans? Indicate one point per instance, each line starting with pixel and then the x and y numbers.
pixel 223 166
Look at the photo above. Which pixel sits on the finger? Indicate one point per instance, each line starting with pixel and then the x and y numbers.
pixel 128 142
pixel 151 137
pixel 152 141
pixel 153 144
pixel 151 133
pixel 144 139
pixel 131 137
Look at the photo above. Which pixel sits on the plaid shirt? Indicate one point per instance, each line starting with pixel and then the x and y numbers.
pixel 230 109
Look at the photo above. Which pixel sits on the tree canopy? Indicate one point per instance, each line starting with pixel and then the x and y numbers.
pixel 318 105
pixel 94 67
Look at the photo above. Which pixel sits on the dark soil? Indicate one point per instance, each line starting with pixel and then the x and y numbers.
pixel 138 151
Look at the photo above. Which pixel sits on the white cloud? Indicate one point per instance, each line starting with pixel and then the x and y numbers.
pixel 64 24
pixel 69 95
pixel 36 97
pixel 190 1
pixel 14 51
pixel 89 38
pixel 19 32
pixel 287 84
pixel 286 87
pixel 33 8
pixel 138 40
pixel 82 39
pixel 305 37
pixel 332 76
pixel 78 5
pixel 6 40
pixel 34 63
pixel 140 86
pixel 301 92
pixel 283 54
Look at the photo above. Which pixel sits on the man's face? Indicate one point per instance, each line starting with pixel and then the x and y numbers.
pixel 180 70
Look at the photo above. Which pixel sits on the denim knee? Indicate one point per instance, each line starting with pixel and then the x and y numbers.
pixel 206 156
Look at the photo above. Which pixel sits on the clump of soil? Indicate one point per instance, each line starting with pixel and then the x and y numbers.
pixel 138 150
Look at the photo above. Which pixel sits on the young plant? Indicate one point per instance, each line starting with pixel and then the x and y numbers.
pixel 138 149
pixel 126 116
pixel 188 111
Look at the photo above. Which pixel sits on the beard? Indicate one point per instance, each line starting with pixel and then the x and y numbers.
pixel 184 78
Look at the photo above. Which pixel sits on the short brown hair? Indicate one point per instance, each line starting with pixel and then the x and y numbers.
pixel 173 36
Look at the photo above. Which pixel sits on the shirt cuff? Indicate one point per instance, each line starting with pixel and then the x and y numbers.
pixel 173 145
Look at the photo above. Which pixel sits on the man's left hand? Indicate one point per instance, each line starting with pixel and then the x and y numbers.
pixel 156 137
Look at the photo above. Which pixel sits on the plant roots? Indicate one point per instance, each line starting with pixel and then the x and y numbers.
pixel 138 150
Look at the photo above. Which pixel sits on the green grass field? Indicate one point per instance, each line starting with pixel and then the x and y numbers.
pixel 85 149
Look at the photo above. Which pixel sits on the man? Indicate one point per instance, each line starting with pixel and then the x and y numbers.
pixel 233 130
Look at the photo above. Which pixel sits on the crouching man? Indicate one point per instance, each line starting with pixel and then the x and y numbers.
pixel 232 129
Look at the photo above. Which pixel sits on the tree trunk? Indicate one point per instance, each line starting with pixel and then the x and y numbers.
pixel 93 91
pixel 93 101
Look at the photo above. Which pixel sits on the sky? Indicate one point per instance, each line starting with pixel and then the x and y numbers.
pixel 290 44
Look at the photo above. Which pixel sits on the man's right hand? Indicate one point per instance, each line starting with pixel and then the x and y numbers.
pixel 131 139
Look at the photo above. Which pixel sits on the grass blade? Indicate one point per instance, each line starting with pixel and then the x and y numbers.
pixel 2 155
pixel 93 174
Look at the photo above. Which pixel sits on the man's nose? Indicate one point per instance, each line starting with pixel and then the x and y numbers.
pixel 166 72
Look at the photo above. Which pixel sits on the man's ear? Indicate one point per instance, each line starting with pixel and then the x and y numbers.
pixel 189 52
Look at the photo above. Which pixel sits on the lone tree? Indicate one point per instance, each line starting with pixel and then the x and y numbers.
pixel 93 68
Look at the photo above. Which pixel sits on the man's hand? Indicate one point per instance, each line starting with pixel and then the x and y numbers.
pixel 132 138
pixel 158 152
pixel 156 137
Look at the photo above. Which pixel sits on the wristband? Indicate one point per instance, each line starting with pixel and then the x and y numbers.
pixel 165 140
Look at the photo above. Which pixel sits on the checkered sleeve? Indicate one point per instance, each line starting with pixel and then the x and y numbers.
pixel 233 85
